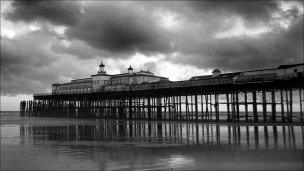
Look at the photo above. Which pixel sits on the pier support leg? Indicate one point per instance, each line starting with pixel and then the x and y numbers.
pixel 216 106
pixel 196 108
pixel 180 108
pixel 187 108
pixel 130 109
pixel 207 111
pixel 246 106
pixel 237 105
pixel 301 105
pixel 149 108
pixel 282 105
pixel 255 112
pixel 264 106
pixel 159 108
pixel 287 106
pixel 228 107
pixel 233 105
pixel 290 109
pixel 273 106
pixel 202 107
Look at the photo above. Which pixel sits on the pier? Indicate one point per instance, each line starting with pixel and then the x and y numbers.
pixel 258 99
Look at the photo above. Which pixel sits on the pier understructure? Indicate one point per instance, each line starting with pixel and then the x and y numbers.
pixel 214 100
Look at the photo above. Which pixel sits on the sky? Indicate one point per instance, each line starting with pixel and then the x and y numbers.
pixel 43 42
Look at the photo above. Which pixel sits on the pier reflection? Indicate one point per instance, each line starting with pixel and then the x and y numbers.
pixel 144 132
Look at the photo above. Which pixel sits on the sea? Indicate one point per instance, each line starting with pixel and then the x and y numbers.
pixel 41 143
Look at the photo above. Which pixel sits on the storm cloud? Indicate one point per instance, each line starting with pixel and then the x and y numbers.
pixel 230 35
pixel 23 70
pixel 56 12
pixel 252 12
pixel 119 28
pixel 284 46
pixel 28 68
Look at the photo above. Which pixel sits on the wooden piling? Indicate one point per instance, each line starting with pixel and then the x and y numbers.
pixel 130 109
pixel 254 103
pixel 301 105
pixel 237 106
pixel 228 107
pixel 291 105
pixel 216 106
pixel 246 106
pixel 264 105
pixel 282 105
pixel 196 108
pixel 273 106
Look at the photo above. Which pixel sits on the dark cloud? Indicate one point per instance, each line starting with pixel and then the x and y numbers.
pixel 56 12
pixel 113 27
pixel 119 29
pixel 28 67
pixel 285 46
pixel 21 70
pixel 79 49
pixel 251 11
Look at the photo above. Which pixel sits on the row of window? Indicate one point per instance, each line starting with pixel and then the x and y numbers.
pixel 111 82
pixel 122 81
pixel 103 82
pixel 77 86
pixel 85 90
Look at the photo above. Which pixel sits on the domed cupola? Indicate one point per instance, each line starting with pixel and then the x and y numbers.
pixel 101 68
pixel 216 72
pixel 130 70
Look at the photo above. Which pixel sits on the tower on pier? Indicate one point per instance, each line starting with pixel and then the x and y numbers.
pixel 101 68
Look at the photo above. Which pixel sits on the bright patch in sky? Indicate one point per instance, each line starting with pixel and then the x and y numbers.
pixel 7 33
pixel 168 20
pixel 59 30
pixel 175 72
pixel 286 6
pixel 179 72
pixel 11 30
pixel 239 29
pixel 116 66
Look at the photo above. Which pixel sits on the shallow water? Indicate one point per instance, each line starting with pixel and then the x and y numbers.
pixel 71 144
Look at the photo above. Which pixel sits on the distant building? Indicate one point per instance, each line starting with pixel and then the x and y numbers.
pixel 281 71
pixel 105 82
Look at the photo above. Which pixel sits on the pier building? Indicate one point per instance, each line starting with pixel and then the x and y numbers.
pixel 106 82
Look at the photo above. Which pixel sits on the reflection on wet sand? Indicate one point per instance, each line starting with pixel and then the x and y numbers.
pixel 143 145
pixel 72 144
pixel 241 136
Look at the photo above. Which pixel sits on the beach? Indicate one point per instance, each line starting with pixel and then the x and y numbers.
pixel 32 143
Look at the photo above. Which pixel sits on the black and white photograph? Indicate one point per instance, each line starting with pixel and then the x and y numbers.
pixel 152 85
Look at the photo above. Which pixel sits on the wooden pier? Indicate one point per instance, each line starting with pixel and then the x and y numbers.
pixel 263 101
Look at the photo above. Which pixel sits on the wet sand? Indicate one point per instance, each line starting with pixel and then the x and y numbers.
pixel 72 144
